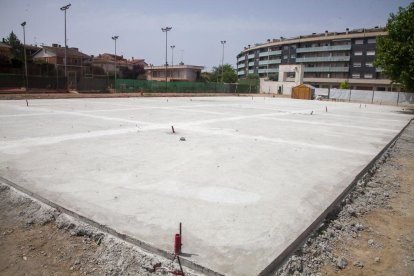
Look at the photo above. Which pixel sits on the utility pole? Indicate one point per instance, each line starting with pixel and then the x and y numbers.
pixel 115 38
pixel 172 54
pixel 222 60
pixel 166 30
pixel 25 55
pixel 64 8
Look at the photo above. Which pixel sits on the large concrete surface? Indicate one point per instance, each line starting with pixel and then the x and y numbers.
pixel 251 176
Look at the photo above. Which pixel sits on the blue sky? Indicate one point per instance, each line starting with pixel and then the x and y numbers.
pixel 198 26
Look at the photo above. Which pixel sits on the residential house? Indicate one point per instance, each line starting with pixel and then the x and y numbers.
pixel 77 63
pixel 107 63
pixel 179 72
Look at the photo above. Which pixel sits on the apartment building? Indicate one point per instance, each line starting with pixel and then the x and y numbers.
pixel 329 59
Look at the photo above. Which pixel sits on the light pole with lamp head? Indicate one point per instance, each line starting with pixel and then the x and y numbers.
pixel 172 54
pixel 166 30
pixel 64 8
pixel 115 37
pixel 222 60
pixel 25 57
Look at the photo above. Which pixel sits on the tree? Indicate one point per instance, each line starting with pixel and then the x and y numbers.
pixel 17 49
pixel 134 73
pixel 395 52
pixel 229 74
pixel 344 85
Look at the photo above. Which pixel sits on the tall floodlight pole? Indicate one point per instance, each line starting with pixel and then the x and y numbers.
pixel 64 8
pixel 25 57
pixel 172 54
pixel 166 30
pixel 115 37
pixel 222 60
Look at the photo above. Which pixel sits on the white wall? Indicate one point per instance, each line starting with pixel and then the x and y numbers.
pixel 367 96
pixel 267 86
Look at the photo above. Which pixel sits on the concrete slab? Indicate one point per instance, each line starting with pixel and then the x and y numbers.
pixel 251 176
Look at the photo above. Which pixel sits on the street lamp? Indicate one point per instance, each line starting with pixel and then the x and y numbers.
pixel 166 30
pixel 172 54
pixel 222 60
pixel 64 8
pixel 115 37
pixel 25 58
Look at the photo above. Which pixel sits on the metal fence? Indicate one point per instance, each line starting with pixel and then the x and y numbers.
pixel 124 85
pixel 38 82
pixel 104 83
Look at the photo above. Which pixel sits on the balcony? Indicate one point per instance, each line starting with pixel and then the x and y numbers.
pixel 251 71
pixel 251 63
pixel 250 56
pixel 271 53
pixel 326 69
pixel 323 59
pixel 270 61
pixel 270 70
pixel 324 49
pixel 241 65
pixel 241 72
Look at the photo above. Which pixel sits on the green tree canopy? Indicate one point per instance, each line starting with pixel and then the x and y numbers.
pixel 17 49
pixel 344 85
pixel 229 74
pixel 395 52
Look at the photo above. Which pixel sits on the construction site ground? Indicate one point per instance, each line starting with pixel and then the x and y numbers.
pixel 231 126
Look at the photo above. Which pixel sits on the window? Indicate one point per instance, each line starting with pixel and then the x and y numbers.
pixel 358 53
pixel 369 64
pixel 371 40
pixel 370 53
pixel 368 76
pixel 359 41
pixel 285 47
pixel 357 64
pixel 356 76
pixel 292 56
pixel 285 57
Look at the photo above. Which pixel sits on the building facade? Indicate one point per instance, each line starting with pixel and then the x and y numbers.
pixel 179 72
pixel 329 59
pixel 77 63
pixel 107 63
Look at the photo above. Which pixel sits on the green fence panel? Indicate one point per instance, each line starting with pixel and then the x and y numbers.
pixel 126 85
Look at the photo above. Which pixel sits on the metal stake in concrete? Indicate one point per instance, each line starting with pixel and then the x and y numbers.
pixel 326 109
pixel 172 128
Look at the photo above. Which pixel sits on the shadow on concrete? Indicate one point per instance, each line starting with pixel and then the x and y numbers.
pixel 406 111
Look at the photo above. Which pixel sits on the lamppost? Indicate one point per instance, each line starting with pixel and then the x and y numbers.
pixel 172 54
pixel 64 8
pixel 115 37
pixel 166 30
pixel 222 60
pixel 25 58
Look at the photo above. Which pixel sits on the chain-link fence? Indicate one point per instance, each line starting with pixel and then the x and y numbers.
pixel 38 82
pixel 124 85
pixel 104 83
